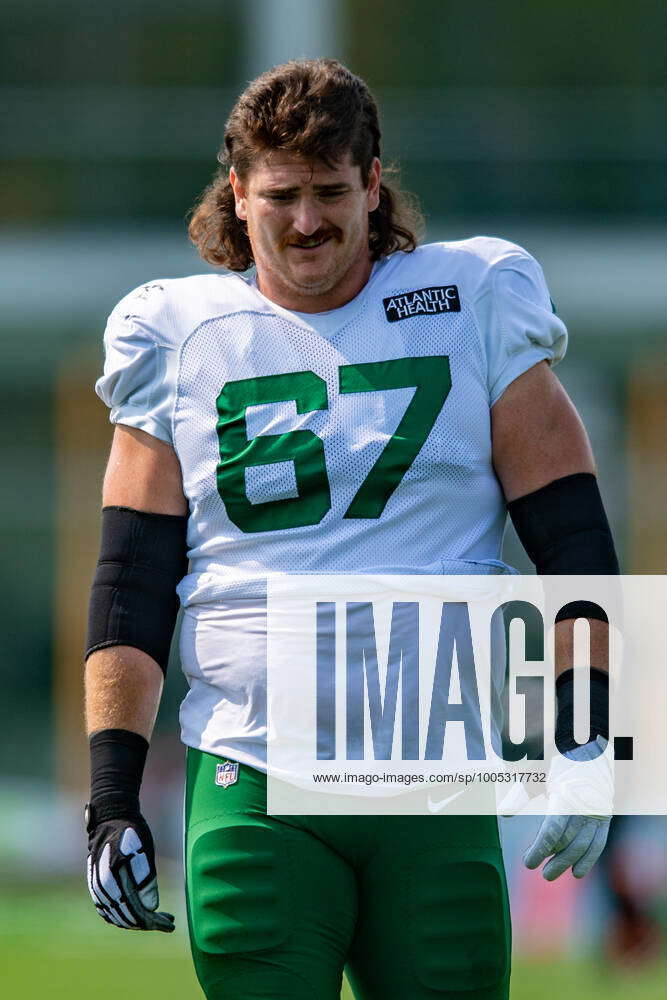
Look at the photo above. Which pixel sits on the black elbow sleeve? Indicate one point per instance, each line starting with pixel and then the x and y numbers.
pixel 133 601
pixel 564 530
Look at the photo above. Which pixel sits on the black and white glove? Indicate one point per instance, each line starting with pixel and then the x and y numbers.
pixel 122 878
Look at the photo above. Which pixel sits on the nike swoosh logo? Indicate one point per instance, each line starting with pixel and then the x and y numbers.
pixel 435 807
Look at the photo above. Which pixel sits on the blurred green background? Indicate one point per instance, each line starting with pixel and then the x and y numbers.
pixel 542 123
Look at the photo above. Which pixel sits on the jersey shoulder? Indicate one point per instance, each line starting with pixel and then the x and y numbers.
pixel 487 250
pixel 167 310
pixel 472 263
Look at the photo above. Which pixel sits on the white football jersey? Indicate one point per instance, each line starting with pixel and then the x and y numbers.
pixel 352 441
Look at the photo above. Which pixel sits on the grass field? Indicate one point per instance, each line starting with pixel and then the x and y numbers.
pixel 53 945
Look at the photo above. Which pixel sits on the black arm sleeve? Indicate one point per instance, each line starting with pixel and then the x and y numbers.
pixel 133 601
pixel 564 529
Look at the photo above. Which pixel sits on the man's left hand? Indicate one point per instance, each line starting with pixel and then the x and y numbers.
pixel 581 780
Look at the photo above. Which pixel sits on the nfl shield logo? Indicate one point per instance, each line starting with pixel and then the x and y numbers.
pixel 226 774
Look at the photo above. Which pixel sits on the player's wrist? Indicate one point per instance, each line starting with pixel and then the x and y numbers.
pixel 113 806
pixel 117 760
pixel 598 708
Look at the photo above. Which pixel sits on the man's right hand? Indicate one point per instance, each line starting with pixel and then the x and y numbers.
pixel 122 878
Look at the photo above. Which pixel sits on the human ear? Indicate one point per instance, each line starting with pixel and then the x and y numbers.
pixel 373 189
pixel 239 195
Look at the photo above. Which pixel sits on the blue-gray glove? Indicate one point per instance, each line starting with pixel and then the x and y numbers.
pixel 580 792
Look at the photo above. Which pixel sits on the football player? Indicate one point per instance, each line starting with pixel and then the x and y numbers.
pixel 247 442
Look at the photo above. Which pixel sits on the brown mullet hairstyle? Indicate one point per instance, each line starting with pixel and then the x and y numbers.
pixel 314 108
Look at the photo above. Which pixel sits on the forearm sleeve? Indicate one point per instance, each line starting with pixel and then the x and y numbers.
pixel 133 601
pixel 564 529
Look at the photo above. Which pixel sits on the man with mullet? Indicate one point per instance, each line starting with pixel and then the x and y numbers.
pixel 241 451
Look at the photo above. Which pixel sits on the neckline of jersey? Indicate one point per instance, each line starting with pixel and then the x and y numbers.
pixel 333 319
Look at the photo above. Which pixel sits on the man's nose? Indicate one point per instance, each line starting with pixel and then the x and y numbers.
pixel 307 216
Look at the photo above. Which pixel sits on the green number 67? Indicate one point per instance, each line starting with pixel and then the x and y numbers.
pixel 429 376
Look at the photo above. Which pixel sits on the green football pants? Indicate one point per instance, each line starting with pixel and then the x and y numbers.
pixel 412 907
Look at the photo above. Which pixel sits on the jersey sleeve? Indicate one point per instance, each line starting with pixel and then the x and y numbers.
pixel 136 383
pixel 522 326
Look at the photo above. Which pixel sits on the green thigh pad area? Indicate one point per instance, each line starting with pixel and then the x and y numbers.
pixel 433 920
pixel 414 907
pixel 461 923
pixel 271 908
pixel 242 878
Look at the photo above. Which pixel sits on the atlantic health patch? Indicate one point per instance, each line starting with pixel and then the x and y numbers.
pixel 421 302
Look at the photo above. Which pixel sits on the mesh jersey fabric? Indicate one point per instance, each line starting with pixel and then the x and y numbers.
pixel 173 345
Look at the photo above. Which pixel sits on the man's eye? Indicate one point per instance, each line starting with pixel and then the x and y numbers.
pixel 280 197
pixel 330 195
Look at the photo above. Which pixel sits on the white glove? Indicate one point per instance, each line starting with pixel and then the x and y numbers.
pixel 580 797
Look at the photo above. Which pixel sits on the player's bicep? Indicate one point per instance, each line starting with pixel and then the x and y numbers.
pixel 144 473
pixel 537 434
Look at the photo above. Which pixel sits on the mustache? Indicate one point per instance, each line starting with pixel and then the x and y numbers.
pixel 298 239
